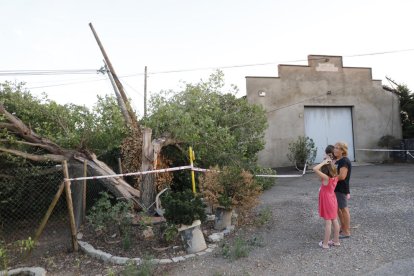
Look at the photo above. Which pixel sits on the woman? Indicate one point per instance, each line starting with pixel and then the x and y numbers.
pixel 342 192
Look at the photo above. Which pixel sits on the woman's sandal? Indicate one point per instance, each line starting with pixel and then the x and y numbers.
pixel 323 246
pixel 332 243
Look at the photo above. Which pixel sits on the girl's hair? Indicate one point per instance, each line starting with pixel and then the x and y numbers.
pixel 329 170
pixel 329 150
pixel 344 147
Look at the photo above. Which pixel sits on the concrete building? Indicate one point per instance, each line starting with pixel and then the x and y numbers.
pixel 328 103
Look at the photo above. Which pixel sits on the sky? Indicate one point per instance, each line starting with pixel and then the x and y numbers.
pixel 186 40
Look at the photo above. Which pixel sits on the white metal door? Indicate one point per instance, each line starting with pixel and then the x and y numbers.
pixel 328 125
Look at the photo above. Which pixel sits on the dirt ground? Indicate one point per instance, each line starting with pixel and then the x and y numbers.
pixel 382 214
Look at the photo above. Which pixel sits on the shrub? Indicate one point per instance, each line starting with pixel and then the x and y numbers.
pixel 265 182
pixel 104 217
pixel 302 151
pixel 183 207
pixel 230 187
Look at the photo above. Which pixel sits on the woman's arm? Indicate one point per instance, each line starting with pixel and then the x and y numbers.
pixel 317 170
pixel 343 171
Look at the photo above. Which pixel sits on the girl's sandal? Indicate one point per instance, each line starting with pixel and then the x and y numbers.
pixel 332 243
pixel 323 246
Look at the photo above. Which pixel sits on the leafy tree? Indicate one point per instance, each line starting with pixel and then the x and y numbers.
pixel 34 130
pixel 221 128
pixel 406 98
pixel 70 126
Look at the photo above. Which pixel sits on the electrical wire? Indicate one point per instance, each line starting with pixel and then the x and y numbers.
pixel 47 72
pixel 94 71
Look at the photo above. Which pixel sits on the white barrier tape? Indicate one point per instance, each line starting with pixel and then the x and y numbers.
pixel 130 174
pixel 189 167
pixel 410 154
pixel 200 170
pixel 278 175
pixel 283 176
pixel 382 150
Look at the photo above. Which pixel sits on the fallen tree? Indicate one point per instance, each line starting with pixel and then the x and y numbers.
pixel 51 152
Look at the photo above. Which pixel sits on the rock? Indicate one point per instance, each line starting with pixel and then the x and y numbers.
pixel 216 237
pixel 148 233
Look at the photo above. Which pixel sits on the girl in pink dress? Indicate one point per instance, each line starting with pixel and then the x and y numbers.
pixel 328 206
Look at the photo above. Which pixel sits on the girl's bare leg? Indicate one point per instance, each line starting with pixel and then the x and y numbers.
pixel 336 231
pixel 328 224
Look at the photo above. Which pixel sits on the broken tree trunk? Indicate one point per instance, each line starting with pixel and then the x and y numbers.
pixel 151 151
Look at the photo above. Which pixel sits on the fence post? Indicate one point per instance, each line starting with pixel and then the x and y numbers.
pixel 85 174
pixel 120 165
pixel 70 206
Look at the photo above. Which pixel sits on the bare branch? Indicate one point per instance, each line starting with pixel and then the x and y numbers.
pixel 26 143
pixel 35 157
pixel 8 126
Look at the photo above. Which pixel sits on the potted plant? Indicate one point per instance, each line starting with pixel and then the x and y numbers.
pixel 229 189
pixel 186 211
pixel 302 151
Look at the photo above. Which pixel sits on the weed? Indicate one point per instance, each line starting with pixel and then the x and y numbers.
pixel 256 242
pixel 225 251
pixel 145 220
pixel 264 216
pixel 77 263
pixel 170 233
pixel 4 259
pixel 25 245
pixel 146 268
pixel 126 238
pixel 111 272
pixel 238 250
pixel 50 261
pixel 131 269
pixel 241 249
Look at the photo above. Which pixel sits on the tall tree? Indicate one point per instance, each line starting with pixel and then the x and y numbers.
pixel 222 128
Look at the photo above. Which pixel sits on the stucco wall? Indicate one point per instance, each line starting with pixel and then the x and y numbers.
pixel 325 82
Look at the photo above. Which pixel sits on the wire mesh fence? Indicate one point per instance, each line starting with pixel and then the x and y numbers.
pixel 26 196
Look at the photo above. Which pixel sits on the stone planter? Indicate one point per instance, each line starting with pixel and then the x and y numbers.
pixel 192 237
pixel 223 218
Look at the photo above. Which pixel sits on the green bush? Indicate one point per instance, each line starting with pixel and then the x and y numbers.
pixel 183 207
pixel 105 216
pixel 302 151
pixel 265 182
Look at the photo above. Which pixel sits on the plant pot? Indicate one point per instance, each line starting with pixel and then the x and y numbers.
pixel 192 237
pixel 223 218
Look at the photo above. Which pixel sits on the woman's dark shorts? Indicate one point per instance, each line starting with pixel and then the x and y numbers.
pixel 342 201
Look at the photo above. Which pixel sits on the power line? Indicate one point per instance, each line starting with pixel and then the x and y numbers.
pixel 94 71
pixel 261 64
pixel 47 72
pixel 66 83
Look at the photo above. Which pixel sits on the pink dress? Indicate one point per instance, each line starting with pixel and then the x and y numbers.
pixel 328 206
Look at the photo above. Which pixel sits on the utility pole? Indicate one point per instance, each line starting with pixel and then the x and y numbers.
pixel 145 92
pixel 131 113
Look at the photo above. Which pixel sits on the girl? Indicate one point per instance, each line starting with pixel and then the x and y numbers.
pixel 328 206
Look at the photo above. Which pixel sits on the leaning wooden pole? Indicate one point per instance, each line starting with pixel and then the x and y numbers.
pixel 70 206
pixel 48 213
pixel 114 75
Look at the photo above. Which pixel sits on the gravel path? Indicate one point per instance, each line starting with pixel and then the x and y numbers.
pixel 382 214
